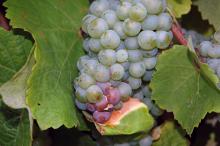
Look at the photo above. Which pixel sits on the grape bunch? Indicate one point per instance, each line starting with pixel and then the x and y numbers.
pixel 123 41
pixel 210 51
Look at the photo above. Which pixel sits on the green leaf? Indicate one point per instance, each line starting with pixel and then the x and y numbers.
pixel 14 91
pixel 210 11
pixel 15 127
pixel 179 7
pixel 171 136
pixel 55 26
pixel 186 89
pixel 14 51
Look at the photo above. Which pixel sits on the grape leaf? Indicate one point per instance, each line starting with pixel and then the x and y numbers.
pixel 15 127
pixel 179 7
pixel 55 26
pixel 14 91
pixel 181 87
pixel 209 11
pixel 14 51
pixel 170 135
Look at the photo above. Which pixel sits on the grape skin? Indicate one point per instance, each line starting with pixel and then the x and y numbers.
pixel 102 73
pixel 150 63
pixel 147 40
pixel 117 72
pixel 107 57
pixel 110 17
pixel 121 56
pixel 135 83
pixel 131 27
pixel 131 43
pixel 85 81
pixel 101 117
pixel 153 6
pixel 98 7
pixel 94 94
pixel 95 45
pixel 110 39
pixel 134 55
pixel 137 12
pixel 118 27
pixel 150 23
pixel 81 95
pixel 137 70
pixel 97 27
pixel 123 10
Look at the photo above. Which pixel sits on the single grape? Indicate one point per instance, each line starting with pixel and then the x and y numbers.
pixel 90 107
pixel 117 72
pixel 123 10
pixel 90 66
pixel 80 105
pixel 146 91
pixel 97 27
pixel 110 39
pixel 86 45
pixel 137 12
pixel 153 6
pixel 107 57
pixel 101 117
pixel 125 91
pixel 131 43
pixel 104 86
pixel 163 39
pixel 85 81
pixel 121 56
pixel 165 22
pixel 118 27
pixel 156 111
pixel 139 95
pixel 86 20
pixel 148 102
pixel 131 27
pixel 150 23
pixel 81 95
pixel 118 106
pixel 113 96
pixel 135 83
pixel 101 105
pixel 148 75
pixel 204 47
pixel 214 52
pixel 150 53
pixel 147 141
pixel 134 55
pixel 150 63
pixel 102 73
pixel 110 17
pixel 99 7
pixel 94 94
pixel 147 40
pixel 137 69
pixel 95 45
pixel 213 63
pixel 126 65
pixel 82 61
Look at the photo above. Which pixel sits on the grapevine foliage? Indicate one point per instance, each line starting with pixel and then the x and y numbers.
pixel 37 72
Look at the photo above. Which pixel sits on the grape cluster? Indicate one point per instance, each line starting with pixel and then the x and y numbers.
pixel 124 39
pixel 210 51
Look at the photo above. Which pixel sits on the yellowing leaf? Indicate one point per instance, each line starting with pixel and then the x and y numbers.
pixel 210 11
pixel 179 7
